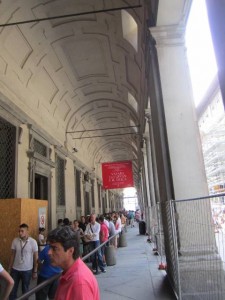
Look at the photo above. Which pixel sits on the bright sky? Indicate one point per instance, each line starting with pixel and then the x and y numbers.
pixel 130 204
pixel 200 51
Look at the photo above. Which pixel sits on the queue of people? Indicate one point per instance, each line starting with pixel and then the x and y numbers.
pixel 61 252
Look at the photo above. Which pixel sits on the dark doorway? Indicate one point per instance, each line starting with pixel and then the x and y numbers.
pixel 41 187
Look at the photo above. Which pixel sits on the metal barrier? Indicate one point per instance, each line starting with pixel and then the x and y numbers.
pixel 49 280
pixel 194 239
pixel 167 244
pixel 201 264
pixel 192 242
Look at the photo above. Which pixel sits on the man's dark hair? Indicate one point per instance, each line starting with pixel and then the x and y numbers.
pixel 60 221
pixel 101 218
pixel 24 226
pixel 66 222
pixel 67 238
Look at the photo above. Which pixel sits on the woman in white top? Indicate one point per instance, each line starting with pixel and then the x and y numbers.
pixel 9 282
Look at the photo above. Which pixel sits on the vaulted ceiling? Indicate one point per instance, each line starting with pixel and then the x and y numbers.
pixel 85 70
pixel 79 68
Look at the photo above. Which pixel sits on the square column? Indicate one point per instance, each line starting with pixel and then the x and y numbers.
pixel 184 142
pixel 186 163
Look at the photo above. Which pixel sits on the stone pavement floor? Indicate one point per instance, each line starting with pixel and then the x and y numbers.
pixel 135 275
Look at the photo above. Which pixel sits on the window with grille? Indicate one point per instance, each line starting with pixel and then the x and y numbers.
pixel 7 159
pixel 60 180
pixel 40 148
pixel 78 191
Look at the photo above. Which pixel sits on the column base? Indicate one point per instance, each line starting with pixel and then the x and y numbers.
pixel 202 277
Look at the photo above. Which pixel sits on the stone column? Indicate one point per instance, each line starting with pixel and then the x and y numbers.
pixel 186 159
pixel 70 189
pixel 181 122
pixel 140 192
pixel 146 187
pixel 97 195
pixel 150 170
pixel 107 201
pixel 152 145
pixel 154 189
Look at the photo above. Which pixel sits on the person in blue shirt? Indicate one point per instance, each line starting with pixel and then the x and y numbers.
pixel 47 271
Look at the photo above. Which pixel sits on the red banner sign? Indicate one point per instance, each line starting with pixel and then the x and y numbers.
pixel 117 175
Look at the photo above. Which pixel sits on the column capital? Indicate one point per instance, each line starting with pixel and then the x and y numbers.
pixel 146 138
pixel 169 36
pixel 148 115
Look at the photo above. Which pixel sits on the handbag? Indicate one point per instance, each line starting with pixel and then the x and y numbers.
pixel 87 238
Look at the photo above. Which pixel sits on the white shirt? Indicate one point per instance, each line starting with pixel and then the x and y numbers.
pixel 24 251
pixel 112 229
pixel 1 268
pixel 119 225
pixel 93 230
pixel 106 222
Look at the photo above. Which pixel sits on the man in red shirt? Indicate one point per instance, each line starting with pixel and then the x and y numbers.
pixel 104 235
pixel 77 281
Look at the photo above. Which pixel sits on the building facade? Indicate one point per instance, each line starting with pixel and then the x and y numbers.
pixel 86 82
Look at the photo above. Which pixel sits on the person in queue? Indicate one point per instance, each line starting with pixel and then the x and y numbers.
pixel 41 238
pixel 46 271
pixel 112 231
pixel 79 232
pixel 93 230
pixel 60 222
pixel 77 281
pixel 7 285
pixel 104 235
pixel 23 260
pixel 82 223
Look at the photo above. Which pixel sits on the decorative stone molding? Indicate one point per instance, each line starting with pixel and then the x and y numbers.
pixel 60 151
pixel 32 154
pixel 169 35
pixel 42 136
